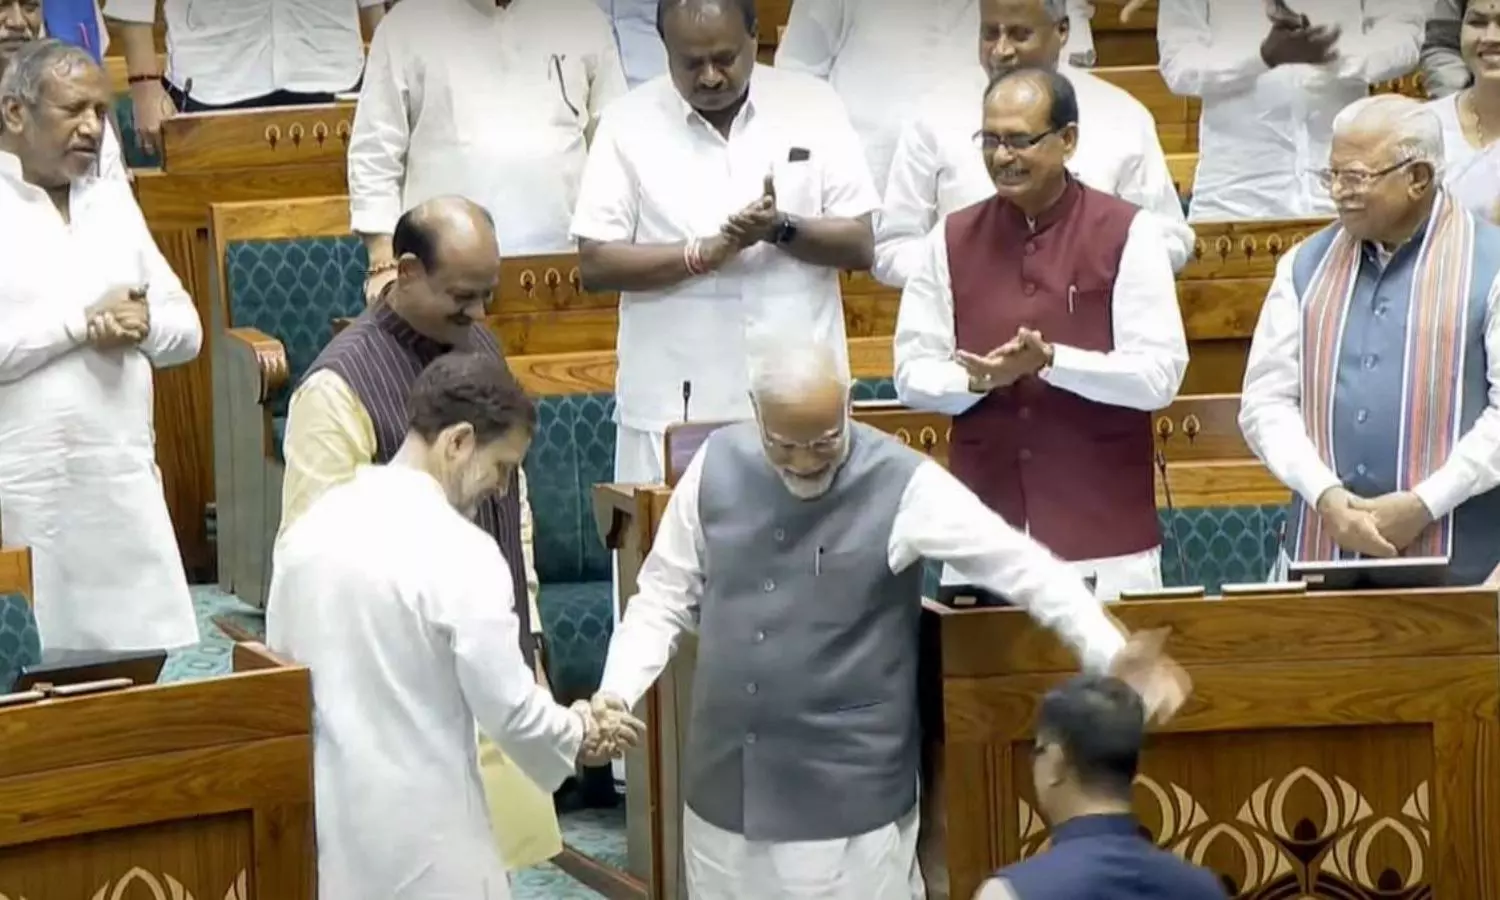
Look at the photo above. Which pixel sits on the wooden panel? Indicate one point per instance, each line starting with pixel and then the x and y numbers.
pixel 257 138
pixel 1216 367
pixel 15 571
pixel 1200 428
pixel 1118 43
pixel 1184 167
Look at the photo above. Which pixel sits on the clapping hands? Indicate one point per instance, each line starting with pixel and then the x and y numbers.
pixel 609 729
pixel 1025 354
pixel 756 222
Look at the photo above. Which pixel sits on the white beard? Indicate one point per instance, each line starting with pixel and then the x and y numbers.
pixel 809 488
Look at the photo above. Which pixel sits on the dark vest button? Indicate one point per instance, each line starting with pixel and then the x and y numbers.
pixel 1024 454
pixel 1029 289
pixel 1024 412
pixel 1030 247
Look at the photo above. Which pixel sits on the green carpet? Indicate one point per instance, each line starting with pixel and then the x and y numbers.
pixel 599 833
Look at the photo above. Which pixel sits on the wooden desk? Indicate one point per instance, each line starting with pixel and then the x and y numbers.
pixel 1336 745
pixel 15 571
pixel 193 790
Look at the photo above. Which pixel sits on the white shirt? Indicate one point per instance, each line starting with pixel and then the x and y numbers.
pixel 641 50
pixel 1271 409
pixel 237 50
pixel 938 170
pixel 487 103
pixel 660 174
pixel 938 518
pixel 1472 175
pixel 403 611
pixel 1143 371
pixel 884 56
pixel 78 478
pixel 1263 132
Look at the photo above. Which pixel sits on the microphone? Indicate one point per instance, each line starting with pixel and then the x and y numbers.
pixel 687 396
pixel 1164 431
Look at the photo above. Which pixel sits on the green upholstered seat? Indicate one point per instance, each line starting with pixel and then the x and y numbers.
pixel 20 642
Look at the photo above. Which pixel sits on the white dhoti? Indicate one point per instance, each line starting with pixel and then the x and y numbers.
pixel 876 865
pixel 640 458
pixel 1112 575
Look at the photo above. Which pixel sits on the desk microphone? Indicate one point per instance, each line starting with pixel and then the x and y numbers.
pixel 687 397
pixel 1166 488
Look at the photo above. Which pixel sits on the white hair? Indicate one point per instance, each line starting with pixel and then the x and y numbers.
pixel 786 369
pixel 1415 130
pixel 35 64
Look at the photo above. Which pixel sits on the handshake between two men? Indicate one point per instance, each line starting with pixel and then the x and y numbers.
pixel 609 729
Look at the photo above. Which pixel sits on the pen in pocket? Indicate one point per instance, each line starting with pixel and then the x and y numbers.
pixel 1072 290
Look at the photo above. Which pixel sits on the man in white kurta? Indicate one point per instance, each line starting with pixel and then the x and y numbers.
pixel 396 616
pixel 884 56
pixel 792 545
pixel 1270 90
pixel 485 100
pixel 21 22
pixel 88 308
pixel 937 168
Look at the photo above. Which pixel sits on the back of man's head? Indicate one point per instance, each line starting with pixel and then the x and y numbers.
pixel 1099 724
pixel 476 389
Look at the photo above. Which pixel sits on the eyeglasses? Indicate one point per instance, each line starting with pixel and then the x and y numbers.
pixel 1355 179
pixel 989 142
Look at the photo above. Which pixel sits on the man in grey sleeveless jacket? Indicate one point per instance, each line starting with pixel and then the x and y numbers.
pixel 796 542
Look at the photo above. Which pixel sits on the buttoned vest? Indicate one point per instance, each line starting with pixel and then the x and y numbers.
pixel 804 720
pixel 1367 406
pixel 1108 858
pixel 1078 474
pixel 380 356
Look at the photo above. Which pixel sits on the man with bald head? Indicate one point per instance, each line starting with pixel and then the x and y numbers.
pixel 1373 384
pixel 24 21
pixel 88 309
pixel 350 409
pixel 937 169
pixel 1045 321
pixel 795 543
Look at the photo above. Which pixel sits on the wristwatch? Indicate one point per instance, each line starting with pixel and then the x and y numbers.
pixel 785 230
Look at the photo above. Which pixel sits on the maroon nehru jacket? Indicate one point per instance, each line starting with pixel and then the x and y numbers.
pixel 1077 473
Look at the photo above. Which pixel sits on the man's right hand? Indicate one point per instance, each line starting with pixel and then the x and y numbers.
pixel 1287 44
pixel 718 250
pixel 121 319
pixel 1353 529
pixel 619 729
pixel 153 106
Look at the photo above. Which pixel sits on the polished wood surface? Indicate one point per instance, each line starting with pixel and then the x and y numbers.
pixel 1353 739
pixel 15 571
pixel 199 789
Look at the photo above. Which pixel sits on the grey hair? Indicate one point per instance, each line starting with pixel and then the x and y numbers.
pixel 35 64
pixel 1415 130
pixel 788 368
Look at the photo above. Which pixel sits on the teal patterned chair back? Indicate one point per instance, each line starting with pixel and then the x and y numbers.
pixel 20 642
pixel 134 157
pixel 292 289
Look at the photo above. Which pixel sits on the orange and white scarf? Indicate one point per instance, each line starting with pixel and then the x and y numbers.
pixel 1433 363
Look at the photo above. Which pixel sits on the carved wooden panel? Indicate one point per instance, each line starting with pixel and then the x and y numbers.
pixel 257 138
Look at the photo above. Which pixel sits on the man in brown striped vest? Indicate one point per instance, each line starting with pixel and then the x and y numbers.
pixel 350 410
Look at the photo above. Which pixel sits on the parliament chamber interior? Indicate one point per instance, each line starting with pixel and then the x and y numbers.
pixel 1335 745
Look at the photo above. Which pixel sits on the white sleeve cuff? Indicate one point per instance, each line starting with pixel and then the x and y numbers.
pixel 1443 490
pixel 374 215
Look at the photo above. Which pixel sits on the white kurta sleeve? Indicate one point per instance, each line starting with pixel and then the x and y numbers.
pixel 1271 399
pixel 1150 355
pixel 1192 63
pixel 941 520
pixel 1080 47
pixel 176 333
pixel 1443 66
pixel 380 138
pixel 606 71
pixel 848 188
pixel 1473 468
pixel 1147 182
pixel 910 208
pixel 1389 47
pixel 33 335
pixel 928 375
pixel 511 708
pixel 609 204
pixel 815 32
pixel 668 590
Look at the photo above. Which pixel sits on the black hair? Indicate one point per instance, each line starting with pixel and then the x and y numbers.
pixel 419 230
pixel 1063 108
pixel 746 9
pixel 1100 724
pixel 476 388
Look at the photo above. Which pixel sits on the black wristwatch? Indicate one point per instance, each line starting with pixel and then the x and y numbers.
pixel 785 231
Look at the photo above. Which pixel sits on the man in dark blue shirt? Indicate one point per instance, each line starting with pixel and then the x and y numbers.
pixel 1088 746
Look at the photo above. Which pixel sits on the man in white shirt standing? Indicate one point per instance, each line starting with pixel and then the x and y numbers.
pixel 22 21
pixel 88 308
pixel 641 50
pixel 1271 79
pixel 937 168
pixel 722 202
pixel 802 752
pixel 397 617
pixel 234 54
pixel 492 100
pixel 884 56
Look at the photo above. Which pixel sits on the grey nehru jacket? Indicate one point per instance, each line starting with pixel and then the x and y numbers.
pixel 804 723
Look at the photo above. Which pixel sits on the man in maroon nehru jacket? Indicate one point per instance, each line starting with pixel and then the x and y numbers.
pixel 1045 321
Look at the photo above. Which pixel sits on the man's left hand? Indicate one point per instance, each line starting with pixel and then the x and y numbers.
pixel 1401 516
pixel 1032 354
pixel 757 222
pixel 1144 665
